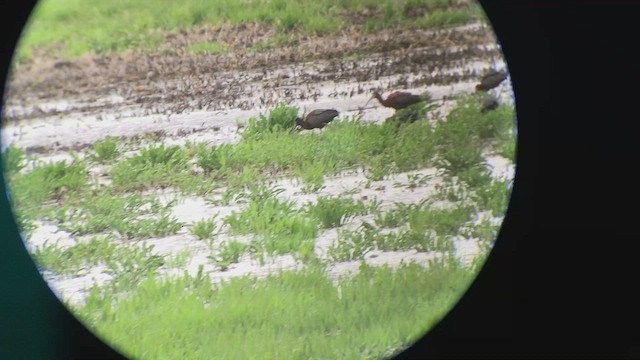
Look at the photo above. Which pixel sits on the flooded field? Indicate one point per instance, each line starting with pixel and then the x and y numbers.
pixel 57 110
pixel 213 108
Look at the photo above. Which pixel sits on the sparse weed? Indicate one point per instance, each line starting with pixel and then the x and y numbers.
pixel 179 260
pixel 106 150
pixel 285 243
pixel 231 195
pixel 484 231
pixel 280 118
pixel 396 216
pixel 267 215
pixel 131 216
pixel 24 222
pixel 477 176
pixel 229 253
pixel 150 227
pixel 494 196
pixel 459 138
pixel 62 177
pixel 442 221
pixel 30 191
pixel 306 253
pixel 446 18
pixel 452 190
pixel 69 261
pixel 428 241
pixel 335 211
pixel 415 180
pixel 13 160
pixel 215 157
pixel 507 148
pixel 207 48
pixel 129 265
pixel 312 175
pixel 351 245
pixel 154 166
pixel 204 229
pixel 379 168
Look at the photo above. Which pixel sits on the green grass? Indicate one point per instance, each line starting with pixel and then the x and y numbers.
pixel 351 245
pixel 94 26
pixel 204 229
pixel 422 228
pixel 105 151
pixel 445 18
pixel 465 133
pixel 268 146
pixel 69 261
pixel 395 217
pixel 179 260
pixel 32 192
pixel 13 160
pixel 335 211
pixel 130 216
pixel 154 166
pixel 493 196
pixel 279 221
pixel 272 42
pixel 229 253
pixel 130 265
pixel 281 117
pixel 295 315
pixel 207 48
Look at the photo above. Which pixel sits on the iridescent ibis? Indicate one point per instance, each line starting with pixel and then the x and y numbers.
pixel 491 80
pixel 489 102
pixel 317 119
pixel 398 100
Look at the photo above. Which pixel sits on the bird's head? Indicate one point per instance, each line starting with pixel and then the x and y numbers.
pixel 297 125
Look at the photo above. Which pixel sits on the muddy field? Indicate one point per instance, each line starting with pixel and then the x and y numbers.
pixel 56 106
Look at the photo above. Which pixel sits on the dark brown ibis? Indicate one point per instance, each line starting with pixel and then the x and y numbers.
pixel 317 119
pixel 398 100
pixel 491 80
pixel 489 102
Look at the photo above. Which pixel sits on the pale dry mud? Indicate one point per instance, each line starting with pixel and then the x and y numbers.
pixel 176 106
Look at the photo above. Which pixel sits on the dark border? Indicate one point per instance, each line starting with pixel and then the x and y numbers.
pixel 555 285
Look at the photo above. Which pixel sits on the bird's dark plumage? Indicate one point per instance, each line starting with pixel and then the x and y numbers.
pixel 491 80
pixel 489 102
pixel 398 100
pixel 317 119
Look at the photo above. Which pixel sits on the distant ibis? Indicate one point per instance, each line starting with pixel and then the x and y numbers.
pixel 491 80
pixel 317 119
pixel 398 100
pixel 489 102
